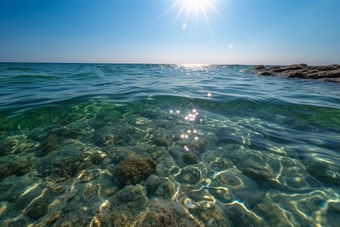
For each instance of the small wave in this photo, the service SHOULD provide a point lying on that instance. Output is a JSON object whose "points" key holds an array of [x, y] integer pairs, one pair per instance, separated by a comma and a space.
{"points": [[36, 77]]}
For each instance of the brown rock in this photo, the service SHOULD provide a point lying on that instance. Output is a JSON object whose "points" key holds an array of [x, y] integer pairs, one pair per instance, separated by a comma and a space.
{"points": [[322, 73], [259, 67], [48, 144], [135, 169], [190, 158]]}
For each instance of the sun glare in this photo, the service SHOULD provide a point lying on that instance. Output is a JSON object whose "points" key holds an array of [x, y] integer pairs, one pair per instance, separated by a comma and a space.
{"points": [[195, 3], [193, 8]]}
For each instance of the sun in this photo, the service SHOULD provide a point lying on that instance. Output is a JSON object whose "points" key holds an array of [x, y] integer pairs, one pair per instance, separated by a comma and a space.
{"points": [[195, 8], [195, 3]]}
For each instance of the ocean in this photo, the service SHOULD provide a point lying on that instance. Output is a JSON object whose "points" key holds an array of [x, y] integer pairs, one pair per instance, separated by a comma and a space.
{"points": [[166, 145]]}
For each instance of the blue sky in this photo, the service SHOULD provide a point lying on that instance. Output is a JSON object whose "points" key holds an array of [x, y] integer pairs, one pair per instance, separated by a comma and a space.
{"points": [[161, 31]]}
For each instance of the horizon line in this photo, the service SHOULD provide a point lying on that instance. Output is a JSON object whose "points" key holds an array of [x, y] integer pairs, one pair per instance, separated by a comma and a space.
{"points": [[143, 63]]}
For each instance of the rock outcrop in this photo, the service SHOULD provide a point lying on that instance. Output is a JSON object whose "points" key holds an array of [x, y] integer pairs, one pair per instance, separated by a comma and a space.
{"points": [[323, 73], [135, 169]]}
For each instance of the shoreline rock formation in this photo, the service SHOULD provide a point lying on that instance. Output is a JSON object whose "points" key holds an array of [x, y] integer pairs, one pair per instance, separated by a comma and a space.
{"points": [[302, 71]]}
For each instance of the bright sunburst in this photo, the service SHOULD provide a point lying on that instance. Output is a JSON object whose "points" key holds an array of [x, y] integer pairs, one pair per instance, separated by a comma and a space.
{"points": [[193, 7]]}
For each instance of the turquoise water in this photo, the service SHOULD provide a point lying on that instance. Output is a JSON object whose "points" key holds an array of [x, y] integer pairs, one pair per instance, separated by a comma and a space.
{"points": [[229, 148]]}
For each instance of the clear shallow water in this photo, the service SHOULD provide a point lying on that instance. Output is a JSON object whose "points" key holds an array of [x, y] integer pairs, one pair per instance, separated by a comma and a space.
{"points": [[260, 151]]}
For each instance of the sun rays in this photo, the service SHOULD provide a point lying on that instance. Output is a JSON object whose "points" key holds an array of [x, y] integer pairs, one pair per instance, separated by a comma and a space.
{"points": [[193, 8]]}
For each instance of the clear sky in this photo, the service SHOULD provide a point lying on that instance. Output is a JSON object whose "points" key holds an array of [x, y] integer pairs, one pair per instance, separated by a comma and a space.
{"points": [[166, 31]]}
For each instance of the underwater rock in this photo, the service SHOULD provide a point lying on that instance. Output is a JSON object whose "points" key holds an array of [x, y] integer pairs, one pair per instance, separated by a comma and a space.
{"points": [[88, 192], [237, 181], [149, 114], [135, 169], [18, 222], [104, 139], [118, 154], [97, 157], [190, 158], [227, 135], [128, 203], [16, 145], [111, 116], [221, 164], [38, 207], [13, 187], [198, 146], [241, 217], [222, 194], [48, 145], [97, 123], [49, 218], [244, 188], [87, 175], [12, 165], [165, 124], [159, 186], [189, 175], [25, 199], [272, 213], [7, 145], [161, 142], [157, 153], [176, 153], [166, 188], [169, 214], [73, 130], [176, 137], [40, 134], [118, 135], [151, 183], [209, 213], [323, 171], [67, 163], [258, 171]]}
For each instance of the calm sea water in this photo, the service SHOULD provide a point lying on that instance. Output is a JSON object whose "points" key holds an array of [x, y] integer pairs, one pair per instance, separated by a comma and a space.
{"points": [[231, 148]]}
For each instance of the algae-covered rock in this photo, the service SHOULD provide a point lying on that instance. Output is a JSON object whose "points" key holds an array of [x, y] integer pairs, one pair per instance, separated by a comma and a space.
{"points": [[165, 189], [16, 145], [73, 130], [163, 213], [190, 158], [131, 193], [135, 169], [118, 135], [161, 142], [49, 144], [176, 153], [189, 176], [149, 114], [128, 203], [152, 183], [38, 207], [67, 163], [11, 165]]}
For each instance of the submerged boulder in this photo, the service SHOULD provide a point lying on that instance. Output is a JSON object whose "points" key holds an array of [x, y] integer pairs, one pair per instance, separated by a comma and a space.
{"points": [[135, 169], [190, 158]]}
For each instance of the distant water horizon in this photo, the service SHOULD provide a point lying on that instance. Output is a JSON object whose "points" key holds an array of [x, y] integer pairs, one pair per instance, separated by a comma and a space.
{"points": [[167, 63], [219, 146]]}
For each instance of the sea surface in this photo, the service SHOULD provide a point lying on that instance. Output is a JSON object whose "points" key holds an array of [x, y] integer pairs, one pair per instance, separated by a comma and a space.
{"points": [[166, 145]]}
